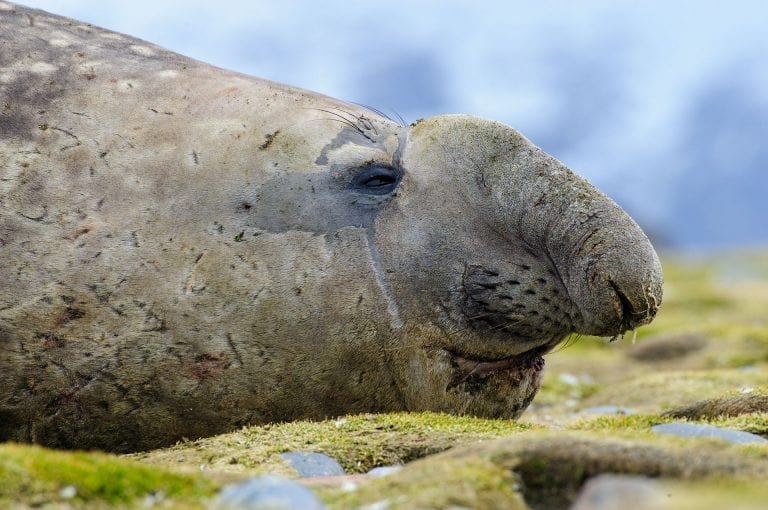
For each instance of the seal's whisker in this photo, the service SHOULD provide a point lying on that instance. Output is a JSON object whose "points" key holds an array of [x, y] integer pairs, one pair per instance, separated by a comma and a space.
{"points": [[399, 117], [325, 119], [507, 324], [355, 119], [343, 119], [331, 120], [569, 341], [335, 112]]}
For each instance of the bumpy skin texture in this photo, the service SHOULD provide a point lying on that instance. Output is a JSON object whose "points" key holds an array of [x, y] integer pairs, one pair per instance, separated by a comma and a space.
{"points": [[185, 250]]}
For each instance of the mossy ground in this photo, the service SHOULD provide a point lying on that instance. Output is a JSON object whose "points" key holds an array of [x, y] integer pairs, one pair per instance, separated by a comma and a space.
{"points": [[37, 477], [360, 442], [706, 355]]}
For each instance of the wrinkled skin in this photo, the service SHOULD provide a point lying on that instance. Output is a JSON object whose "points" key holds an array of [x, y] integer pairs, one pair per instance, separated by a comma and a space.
{"points": [[186, 250]]}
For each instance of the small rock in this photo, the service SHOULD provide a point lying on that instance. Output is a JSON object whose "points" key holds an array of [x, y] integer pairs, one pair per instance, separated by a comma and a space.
{"points": [[384, 504], [684, 429], [348, 486], [68, 492], [608, 409], [267, 493], [619, 492], [154, 498], [384, 470], [309, 464], [569, 379]]}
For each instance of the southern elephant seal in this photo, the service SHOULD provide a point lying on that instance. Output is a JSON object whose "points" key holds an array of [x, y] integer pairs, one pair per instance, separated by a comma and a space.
{"points": [[186, 250]]}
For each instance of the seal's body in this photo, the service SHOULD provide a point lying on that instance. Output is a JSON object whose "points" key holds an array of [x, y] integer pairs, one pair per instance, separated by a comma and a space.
{"points": [[185, 250]]}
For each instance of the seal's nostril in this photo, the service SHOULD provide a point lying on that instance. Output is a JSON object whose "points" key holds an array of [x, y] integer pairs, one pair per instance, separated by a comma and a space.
{"points": [[630, 317]]}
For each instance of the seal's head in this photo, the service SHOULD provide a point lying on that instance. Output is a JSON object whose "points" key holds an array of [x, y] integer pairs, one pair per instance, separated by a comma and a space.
{"points": [[494, 252], [487, 252]]}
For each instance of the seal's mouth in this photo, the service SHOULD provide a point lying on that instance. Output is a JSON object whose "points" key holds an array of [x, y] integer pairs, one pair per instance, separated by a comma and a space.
{"points": [[519, 366]]}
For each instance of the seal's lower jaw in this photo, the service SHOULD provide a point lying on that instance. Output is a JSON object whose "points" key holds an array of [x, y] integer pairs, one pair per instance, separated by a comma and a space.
{"points": [[472, 372], [501, 388]]}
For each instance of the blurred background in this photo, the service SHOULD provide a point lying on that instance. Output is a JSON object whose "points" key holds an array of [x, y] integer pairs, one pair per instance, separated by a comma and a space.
{"points": [[662, 105]]}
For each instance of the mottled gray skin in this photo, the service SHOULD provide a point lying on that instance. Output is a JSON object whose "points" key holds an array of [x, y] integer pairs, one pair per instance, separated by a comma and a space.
{"points": [[185, 250]]}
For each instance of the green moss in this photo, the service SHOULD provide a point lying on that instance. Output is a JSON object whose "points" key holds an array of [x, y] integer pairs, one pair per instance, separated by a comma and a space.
{"points": [[627, 425], [756, 423], [34, 476], [359, 442]]}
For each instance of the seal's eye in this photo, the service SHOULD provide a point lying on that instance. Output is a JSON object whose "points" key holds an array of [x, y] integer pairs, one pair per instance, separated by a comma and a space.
{"points": [[376, 180]]}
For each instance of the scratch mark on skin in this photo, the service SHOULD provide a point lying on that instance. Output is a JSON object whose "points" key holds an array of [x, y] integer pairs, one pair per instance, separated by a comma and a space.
{"points": [[232, 346], [386, 291], [38, 217], [125, 140], [153, 110], [189, 284], [69, 133]]}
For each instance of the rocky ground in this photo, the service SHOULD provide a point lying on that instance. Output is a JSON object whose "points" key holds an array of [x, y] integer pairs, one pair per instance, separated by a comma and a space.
{"points": [[674, 417]]}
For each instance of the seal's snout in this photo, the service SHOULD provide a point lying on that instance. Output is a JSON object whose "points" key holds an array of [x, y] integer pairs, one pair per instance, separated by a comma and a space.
{"points": [[615, 279]]}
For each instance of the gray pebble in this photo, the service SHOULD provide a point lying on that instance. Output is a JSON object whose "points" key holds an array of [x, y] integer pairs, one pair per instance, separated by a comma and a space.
{"points": [[309, 464], [684, 429], [619, 492], [384, 470], [267, 493]]}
